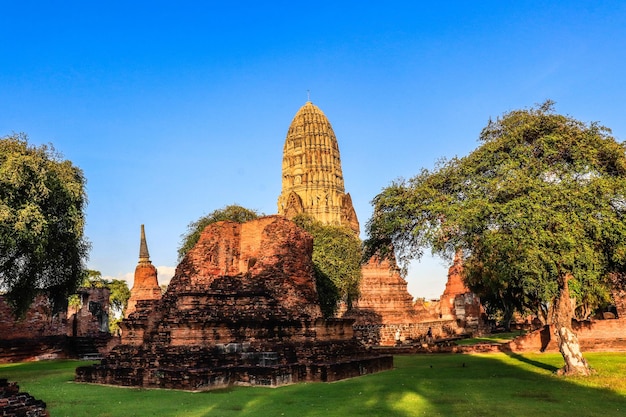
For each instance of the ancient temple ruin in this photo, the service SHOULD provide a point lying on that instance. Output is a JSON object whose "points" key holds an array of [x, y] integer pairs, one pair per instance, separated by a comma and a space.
{"points": [[312, 180], [312, 183], [146, 284], [242, 308], [457, 301]]}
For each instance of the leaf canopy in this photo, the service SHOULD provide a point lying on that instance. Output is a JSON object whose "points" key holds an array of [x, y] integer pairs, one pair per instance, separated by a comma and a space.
{"points": [[543, 196], [42, 242], [337, 257], [232, 212]]}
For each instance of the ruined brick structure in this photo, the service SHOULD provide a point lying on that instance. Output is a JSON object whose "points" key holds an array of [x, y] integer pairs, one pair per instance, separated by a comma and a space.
{"points": [[242, 308], [384, 292], [14, 403], [593, 335], [312, 180], [384, 313], [312, 183], [41, 334], [91, 318], [457, 302], [38, 321], [146, 284]]}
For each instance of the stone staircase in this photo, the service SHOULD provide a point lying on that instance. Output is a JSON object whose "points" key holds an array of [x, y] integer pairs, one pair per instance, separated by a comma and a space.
{"points": [[87, 348]]}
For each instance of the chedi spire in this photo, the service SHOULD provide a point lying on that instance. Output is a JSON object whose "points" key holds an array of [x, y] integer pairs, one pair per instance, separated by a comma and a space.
{"points": [[146, 284], [144, 255], [312, 180]]}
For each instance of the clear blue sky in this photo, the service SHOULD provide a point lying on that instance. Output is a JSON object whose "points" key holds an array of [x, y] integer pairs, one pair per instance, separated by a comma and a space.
{"points": [[174, 109]]}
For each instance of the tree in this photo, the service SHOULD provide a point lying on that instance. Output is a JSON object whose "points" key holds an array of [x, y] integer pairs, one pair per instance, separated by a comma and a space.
{"points": [[336, 260], [42, 242], [120, 294], [538, 208], [194, 229]]}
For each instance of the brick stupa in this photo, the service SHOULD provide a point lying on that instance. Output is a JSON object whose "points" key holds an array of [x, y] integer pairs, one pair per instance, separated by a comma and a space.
{"points": [[146, 284], [242, 308]]}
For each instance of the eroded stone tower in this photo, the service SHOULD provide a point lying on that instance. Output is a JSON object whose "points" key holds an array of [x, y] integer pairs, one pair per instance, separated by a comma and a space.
{"points": [[312, 178]]}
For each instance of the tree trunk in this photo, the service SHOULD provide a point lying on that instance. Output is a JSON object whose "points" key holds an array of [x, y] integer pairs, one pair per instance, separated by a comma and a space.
{"points": [[507, 318], [575, 363]]}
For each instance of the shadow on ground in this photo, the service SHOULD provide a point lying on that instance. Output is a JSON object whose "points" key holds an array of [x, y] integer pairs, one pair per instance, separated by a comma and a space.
{"points": [[433, 385]]}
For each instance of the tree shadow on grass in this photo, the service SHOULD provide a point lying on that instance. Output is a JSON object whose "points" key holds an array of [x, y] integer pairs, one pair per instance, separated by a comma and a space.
{"points": [[487, 385], [445, 385], [538, 364]]}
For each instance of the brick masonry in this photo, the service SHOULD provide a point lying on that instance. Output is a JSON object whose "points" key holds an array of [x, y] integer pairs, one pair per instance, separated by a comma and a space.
{"points": [[14, 403], [241, 309], [593, 335]]}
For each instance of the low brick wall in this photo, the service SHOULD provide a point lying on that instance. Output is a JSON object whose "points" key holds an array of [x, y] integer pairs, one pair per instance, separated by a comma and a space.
{"points": [[390, 334], [594, 335], [33, 349]]}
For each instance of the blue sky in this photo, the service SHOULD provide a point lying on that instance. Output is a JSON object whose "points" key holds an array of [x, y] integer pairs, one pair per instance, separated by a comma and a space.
{"points": [[175, 109]]}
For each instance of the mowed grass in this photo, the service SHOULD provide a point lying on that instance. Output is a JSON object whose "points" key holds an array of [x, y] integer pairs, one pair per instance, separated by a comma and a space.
{"points": [[420, 385]]}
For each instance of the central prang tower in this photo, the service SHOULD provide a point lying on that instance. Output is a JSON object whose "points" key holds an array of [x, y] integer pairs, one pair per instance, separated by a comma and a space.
{"points": [[312, 178]]}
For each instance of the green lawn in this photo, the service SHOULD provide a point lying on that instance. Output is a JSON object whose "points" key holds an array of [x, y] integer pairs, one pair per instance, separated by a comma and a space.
{"points": [[420, 385]]}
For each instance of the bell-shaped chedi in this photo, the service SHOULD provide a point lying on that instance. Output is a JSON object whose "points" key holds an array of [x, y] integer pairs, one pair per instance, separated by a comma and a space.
{"points": [[146, 285], [241, 308], [312, 180]]}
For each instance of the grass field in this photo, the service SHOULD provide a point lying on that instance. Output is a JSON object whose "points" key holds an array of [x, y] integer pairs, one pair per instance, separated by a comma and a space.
{"points": [[420, 385]]}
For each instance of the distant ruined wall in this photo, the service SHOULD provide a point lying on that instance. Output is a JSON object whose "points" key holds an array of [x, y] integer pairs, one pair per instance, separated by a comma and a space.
{"points": [[390, 334], [92, 317], [458, 302], [594, 335], [37, 322]]}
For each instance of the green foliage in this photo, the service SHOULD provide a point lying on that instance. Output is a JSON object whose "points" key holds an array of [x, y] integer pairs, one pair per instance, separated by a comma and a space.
{"points": [[194, 229], [337, 261], [119, 295], [540, 199], [42, 203]]}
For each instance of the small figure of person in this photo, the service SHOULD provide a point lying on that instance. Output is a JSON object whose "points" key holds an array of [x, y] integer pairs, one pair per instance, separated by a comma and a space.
{"points": [[398, 336]]}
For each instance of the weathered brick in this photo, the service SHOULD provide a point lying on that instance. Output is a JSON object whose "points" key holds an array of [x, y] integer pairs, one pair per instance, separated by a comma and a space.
{"points": [[241, 308]]}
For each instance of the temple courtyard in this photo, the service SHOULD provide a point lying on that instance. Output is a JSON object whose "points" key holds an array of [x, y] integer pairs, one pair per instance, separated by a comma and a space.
{"points": [[496, 384]]}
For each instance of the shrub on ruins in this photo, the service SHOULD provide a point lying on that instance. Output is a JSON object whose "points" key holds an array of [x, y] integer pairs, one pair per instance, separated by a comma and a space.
{"points": [[336, 260], [538, 210], [232, 212], [42, 242]]}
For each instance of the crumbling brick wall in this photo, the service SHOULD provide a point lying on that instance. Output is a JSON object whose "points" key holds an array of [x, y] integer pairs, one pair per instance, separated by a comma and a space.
{"points": [[37, 322]]}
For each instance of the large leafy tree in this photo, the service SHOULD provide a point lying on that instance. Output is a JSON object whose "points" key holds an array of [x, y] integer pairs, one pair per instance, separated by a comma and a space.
{"points": [[538, 208], [337, 257], [232, 212], [42, 202]]}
